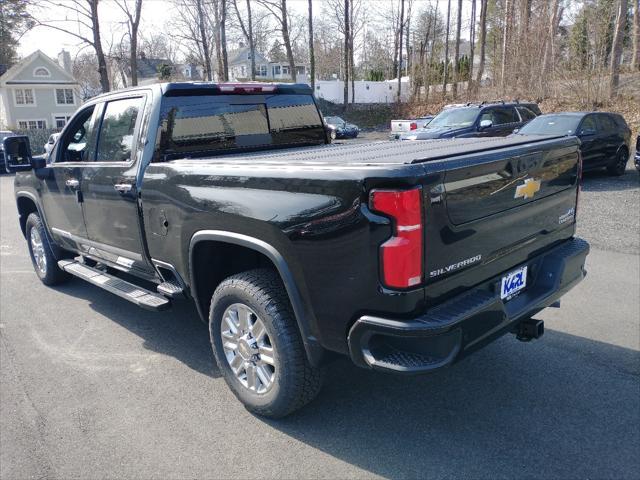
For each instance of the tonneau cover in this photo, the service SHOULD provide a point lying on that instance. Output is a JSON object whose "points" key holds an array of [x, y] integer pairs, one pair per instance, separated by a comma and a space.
{"points": [[386, 152]]}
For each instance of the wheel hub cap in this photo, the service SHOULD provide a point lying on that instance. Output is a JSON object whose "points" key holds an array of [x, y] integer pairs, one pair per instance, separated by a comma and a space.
{"points": [[247, 348], [37, 250]]}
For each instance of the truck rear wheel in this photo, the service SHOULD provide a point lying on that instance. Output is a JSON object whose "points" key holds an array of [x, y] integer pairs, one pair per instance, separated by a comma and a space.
{"points": [[258, 347], [44, 263]]}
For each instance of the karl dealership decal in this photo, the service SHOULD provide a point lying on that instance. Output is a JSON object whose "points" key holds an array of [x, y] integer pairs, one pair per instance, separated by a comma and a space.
{"points": [[565, 217], [455, 266]]}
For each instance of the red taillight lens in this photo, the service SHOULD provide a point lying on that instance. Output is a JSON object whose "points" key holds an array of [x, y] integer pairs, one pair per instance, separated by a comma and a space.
{"points": [[413, 126], [401, 255]]}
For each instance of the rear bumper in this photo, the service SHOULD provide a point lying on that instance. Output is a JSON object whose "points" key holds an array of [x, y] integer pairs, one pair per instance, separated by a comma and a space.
{"points": [[452, 330]]}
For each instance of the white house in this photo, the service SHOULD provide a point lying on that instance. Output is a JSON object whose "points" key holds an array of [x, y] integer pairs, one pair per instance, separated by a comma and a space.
{"points": [[38, 93], [240, 68]]}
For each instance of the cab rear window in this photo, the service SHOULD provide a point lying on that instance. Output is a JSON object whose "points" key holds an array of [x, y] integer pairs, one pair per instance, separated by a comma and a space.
{"points": [[192, 126]]}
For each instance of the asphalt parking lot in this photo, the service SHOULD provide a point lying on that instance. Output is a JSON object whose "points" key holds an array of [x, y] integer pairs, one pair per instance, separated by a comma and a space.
{"points": [[93, 387]]}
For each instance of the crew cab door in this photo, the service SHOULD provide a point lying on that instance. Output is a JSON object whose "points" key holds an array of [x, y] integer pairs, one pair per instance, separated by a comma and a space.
{"points": [[61, 182], [109, 189]]}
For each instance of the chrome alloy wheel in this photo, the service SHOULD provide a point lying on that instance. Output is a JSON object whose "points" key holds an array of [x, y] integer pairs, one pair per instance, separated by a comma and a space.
{"points": [[248, 348], [37, 250]]}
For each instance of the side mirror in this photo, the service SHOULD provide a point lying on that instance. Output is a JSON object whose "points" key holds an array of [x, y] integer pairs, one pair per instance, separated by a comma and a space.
{"points": [[485, 124], [17, 153]]}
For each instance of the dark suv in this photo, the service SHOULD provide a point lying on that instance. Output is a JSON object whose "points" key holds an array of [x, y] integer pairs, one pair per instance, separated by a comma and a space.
{"points": [[605, 136], [474, 120]]}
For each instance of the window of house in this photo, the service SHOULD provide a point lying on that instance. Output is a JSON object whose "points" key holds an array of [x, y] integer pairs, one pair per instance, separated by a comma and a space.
{"points": [[24, 96], [32, 124], [285, 70], [41, 72], [276, 70], [115, 139], [263, 71], [61, 120], [64, 96]]}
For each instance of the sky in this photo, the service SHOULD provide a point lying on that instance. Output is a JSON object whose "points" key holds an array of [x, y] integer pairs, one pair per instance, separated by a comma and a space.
{"points": [[155, 15]]}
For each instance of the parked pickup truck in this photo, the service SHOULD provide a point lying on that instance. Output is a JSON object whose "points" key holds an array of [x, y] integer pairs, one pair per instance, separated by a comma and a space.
{"points": [[406, 257], [399, 127]]}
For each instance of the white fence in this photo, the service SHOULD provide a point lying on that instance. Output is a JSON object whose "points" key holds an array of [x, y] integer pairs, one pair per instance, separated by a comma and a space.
{"points": [[365, 92]]}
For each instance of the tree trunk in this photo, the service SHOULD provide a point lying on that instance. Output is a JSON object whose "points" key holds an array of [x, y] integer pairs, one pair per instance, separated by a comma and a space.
{"points": [[472, 46], [252, 48], [312, 58], [135, 24], [635, 61], [223, 40], [401, 29], [287, 41], [456, 61], [505, 44], [446, 52], [351, 62], [203, 40], [482, 39], [97, 43], [346, 55], [616, 50]]}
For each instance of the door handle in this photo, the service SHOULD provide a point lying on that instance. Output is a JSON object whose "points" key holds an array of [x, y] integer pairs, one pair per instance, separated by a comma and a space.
{"points": [[123, 187], [72, 183]]}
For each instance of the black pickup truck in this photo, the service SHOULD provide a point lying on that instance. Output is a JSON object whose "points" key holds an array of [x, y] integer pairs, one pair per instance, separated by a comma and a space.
{"points": [[405, 256]]}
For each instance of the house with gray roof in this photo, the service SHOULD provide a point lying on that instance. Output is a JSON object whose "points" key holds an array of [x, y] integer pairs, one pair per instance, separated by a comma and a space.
{"points": [[38, 93], [240, 67]]}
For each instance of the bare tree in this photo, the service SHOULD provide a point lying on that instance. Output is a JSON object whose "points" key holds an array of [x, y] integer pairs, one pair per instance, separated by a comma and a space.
{"points": [[312, 56], [456, 60], [616, 49], [278, 8], [401, 29], [635, 60], [482, 39], [223, 40], [247, 31], [446, 52], [472, 45], [83, 15], [347, 24], [133, 24]]}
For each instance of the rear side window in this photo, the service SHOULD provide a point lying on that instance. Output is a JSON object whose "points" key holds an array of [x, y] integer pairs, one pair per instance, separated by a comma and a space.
{"points": [[526, 114], [115, 139], [589, 125], [606, 123], [206, 124], [500, 115]]}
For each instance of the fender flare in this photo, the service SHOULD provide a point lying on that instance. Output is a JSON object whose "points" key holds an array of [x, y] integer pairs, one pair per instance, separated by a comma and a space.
{"points": [[303, 318], [56, 250]]}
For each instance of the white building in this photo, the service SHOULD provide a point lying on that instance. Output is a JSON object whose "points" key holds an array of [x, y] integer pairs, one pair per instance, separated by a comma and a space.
{"points": [[365, 91], [38, 93]]}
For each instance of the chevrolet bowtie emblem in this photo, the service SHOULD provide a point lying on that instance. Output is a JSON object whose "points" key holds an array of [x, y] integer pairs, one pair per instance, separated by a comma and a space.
{"points": [[528, 190]]}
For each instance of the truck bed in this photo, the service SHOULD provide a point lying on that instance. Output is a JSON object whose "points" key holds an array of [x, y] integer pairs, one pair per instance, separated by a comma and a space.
{"points": [[380, 153]]}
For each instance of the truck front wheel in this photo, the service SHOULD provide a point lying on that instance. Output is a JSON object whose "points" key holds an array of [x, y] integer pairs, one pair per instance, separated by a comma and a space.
{"points": [[258, 347], [44, 263]]}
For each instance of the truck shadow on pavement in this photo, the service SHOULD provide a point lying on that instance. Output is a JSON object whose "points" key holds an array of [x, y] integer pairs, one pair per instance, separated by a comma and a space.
{"points": [[561, 407], [177, 332]]}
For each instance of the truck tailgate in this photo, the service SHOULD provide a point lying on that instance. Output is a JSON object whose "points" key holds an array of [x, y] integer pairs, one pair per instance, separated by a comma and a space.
{"points": [[493, 210]]}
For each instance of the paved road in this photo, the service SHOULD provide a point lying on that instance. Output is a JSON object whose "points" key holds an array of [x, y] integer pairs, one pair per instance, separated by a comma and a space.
{"points": [[92, 387]]}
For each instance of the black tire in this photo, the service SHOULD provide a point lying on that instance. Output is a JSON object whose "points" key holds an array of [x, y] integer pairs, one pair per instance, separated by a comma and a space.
{"points": [[48, 271], [619, 164], [295, 382]]}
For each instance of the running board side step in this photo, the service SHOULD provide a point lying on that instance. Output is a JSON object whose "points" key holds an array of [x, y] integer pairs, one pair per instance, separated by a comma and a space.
{"points": [[129, 291]]}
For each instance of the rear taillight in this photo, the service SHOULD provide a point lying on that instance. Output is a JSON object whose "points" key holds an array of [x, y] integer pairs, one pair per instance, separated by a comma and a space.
{"points": [[402, 255], [413, 126]]}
